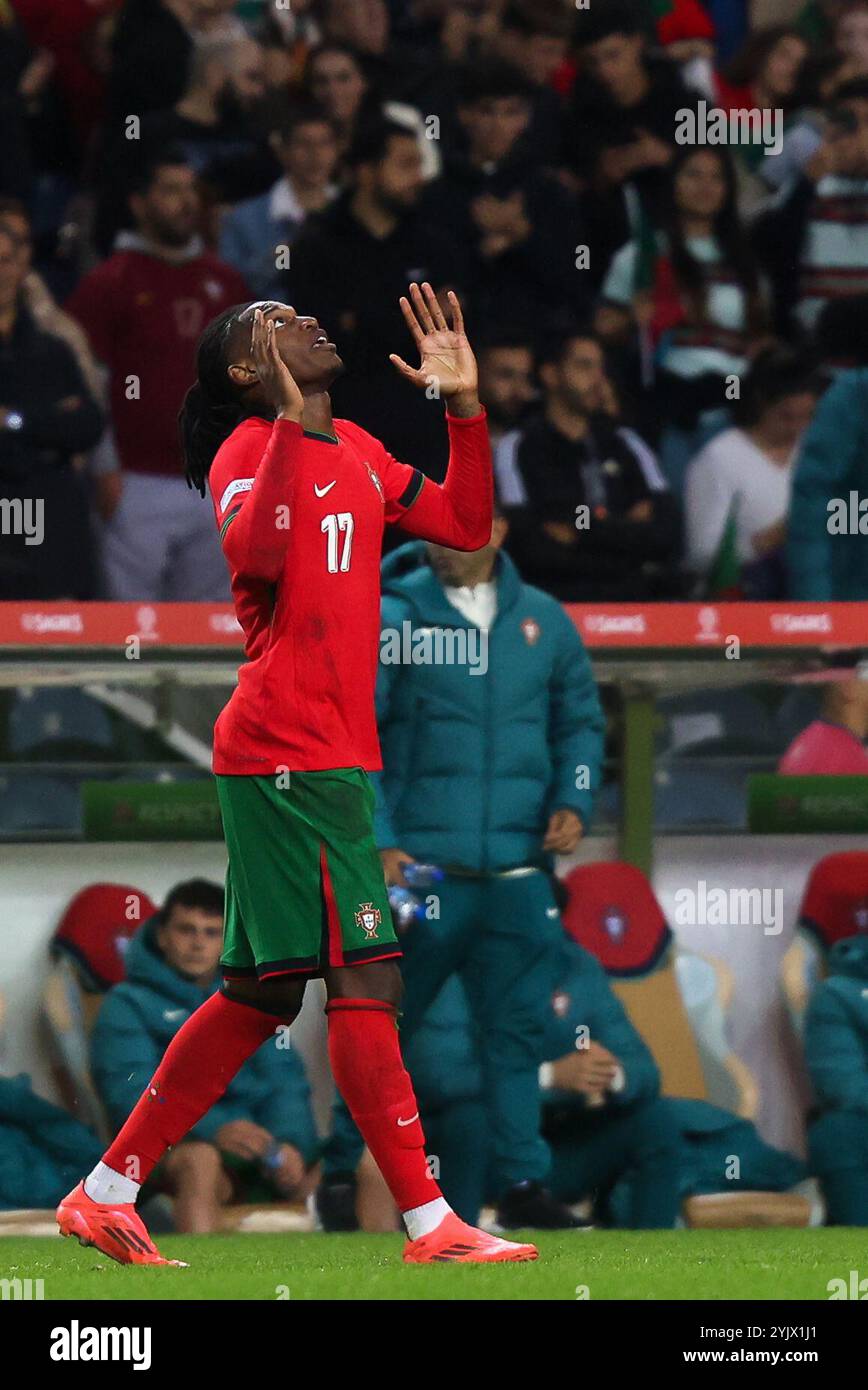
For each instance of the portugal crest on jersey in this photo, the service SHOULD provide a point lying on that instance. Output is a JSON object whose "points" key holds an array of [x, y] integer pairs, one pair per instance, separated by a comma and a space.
{"points": [[368, 918], [376, 481]]}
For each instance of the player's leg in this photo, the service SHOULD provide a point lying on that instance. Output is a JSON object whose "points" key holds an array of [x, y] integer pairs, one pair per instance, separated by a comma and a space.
{"points": [[371, 1076], [211, 1047], [359, 959], [433, 950], [457, 1136], [198, 1065]]}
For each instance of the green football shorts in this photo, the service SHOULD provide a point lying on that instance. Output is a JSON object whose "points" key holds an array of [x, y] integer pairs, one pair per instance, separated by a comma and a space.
{"points": [[304, 886]]}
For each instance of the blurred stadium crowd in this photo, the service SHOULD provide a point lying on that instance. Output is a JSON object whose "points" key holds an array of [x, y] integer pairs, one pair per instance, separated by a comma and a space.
{"points": [[671, 330]]}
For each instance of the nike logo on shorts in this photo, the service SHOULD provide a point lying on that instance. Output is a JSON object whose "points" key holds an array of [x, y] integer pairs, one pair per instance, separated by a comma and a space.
{"points": [[321, 491], [404, 1123]]}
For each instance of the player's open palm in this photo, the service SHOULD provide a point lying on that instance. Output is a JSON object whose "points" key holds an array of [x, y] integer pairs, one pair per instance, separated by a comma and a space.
{"points": [[277, 380], [448, 363]]}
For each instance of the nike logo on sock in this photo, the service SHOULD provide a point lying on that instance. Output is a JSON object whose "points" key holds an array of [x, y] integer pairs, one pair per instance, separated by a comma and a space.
{"points": [[403, 1123], [321, 491]]}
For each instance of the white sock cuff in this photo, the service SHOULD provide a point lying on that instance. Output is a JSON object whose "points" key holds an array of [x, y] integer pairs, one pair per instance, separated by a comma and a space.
{"points": [[105, 1185], [421, 1221]]}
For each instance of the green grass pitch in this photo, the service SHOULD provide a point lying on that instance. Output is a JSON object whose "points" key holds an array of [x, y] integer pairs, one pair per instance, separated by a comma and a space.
{"points": [[686, 1265]]}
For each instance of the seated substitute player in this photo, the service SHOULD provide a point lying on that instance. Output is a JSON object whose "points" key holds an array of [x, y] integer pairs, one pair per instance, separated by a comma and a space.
{"points": [[300, 501]]}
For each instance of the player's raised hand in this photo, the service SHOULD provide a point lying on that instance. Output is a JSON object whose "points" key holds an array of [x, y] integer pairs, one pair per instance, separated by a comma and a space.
{"points": [[447, 360], [276, 378]]}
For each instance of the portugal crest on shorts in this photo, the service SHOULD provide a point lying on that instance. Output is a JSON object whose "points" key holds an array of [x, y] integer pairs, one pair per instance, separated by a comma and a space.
{"points": [[369, 918]]}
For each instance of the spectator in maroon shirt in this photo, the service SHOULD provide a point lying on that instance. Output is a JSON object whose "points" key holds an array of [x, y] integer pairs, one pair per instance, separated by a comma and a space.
{"points": [[143, 310]]}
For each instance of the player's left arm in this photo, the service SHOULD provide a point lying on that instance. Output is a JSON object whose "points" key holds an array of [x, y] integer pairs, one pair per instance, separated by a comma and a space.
{"points": [[458, 512]]}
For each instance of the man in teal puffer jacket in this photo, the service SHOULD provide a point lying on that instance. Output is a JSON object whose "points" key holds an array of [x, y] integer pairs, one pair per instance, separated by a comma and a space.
{"points": [[490, 769], [828, 564], [836, 1051], [258, 1139]]}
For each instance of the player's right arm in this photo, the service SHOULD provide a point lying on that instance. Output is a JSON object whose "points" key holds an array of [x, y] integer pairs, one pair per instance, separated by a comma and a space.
{"points": [[252, 489]]}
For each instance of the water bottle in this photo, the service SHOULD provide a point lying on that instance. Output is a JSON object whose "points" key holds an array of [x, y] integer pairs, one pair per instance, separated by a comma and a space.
{"points": [[406, 908], [422, 875]]}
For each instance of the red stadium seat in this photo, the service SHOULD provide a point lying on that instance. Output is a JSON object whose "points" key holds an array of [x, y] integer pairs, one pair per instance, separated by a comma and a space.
{"points": [[89, 947], [95, 928], [613, 912], [835, 904]]}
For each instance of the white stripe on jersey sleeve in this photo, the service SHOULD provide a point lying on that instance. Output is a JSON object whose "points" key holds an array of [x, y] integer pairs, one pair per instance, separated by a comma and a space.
{"points": [[237, 485]]}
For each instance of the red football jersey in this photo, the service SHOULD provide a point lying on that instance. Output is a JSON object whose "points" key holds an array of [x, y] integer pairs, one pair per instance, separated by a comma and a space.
{"points": [[301, 519]]}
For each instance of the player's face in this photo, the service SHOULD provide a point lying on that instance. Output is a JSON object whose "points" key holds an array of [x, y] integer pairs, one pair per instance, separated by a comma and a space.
{"points": [[191, 941], [305, 347]]}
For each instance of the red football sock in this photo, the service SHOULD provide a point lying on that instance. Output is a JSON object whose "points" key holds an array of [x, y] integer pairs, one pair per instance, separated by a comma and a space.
{"points": [[197, 1066], [371, 1077]]}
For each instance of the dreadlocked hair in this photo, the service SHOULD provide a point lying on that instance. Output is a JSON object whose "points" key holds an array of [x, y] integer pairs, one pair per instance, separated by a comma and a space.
{"points": [[212, 407]]}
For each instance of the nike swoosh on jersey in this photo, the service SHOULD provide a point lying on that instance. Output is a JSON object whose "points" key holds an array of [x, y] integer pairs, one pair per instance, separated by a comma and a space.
{"points": [[321, 491], [402, 1123]]}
